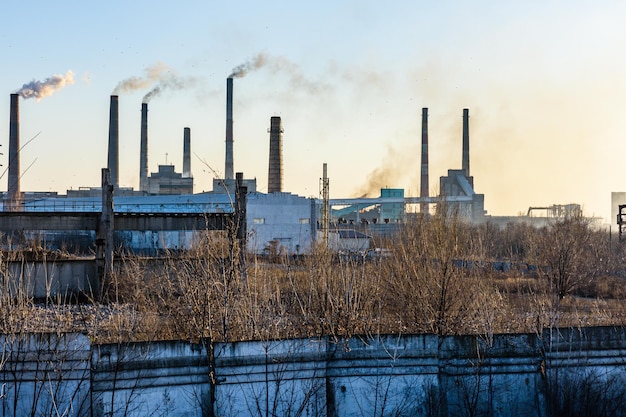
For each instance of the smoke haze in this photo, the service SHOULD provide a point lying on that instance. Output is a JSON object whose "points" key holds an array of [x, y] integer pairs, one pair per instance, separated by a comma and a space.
{"points": [[47, 87]]}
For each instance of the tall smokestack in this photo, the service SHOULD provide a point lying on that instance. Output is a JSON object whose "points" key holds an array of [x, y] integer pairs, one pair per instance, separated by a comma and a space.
{"points": [[187, 153], [228, 171], [275, 172], [13, 187], [466, 157], [114, 145], [143, 155], [424, 173]]}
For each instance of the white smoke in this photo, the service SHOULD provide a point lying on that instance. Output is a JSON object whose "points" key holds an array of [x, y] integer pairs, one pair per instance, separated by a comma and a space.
{"points": [[153, 74], [47, 87], [158, 77]]}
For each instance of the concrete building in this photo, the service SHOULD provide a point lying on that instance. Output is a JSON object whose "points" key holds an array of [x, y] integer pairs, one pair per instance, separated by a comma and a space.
{"points": [[280, 221], [458, 184], [169, 182]]}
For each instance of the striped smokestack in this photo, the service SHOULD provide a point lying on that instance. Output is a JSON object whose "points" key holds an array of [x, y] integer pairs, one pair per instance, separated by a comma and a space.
{"points": [[228, 171], [143, 154], [424, 192], [114, 156], [275, 172], [466, 157], [13, 187], [187, 153]]}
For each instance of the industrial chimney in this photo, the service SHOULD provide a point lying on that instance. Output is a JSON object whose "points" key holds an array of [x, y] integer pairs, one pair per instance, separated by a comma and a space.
{"points": [[187, 153], [424, 173], [228, 171], [466, 158], [13, 187], [275, 172], [114, 157], [143, 153]]}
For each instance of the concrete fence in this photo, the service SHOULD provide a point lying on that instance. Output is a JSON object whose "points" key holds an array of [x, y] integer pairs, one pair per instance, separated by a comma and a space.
{"points": [[503, 375]]}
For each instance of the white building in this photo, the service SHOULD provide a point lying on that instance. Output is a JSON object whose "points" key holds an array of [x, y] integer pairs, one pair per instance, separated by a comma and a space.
{"points": [[283, 221]]}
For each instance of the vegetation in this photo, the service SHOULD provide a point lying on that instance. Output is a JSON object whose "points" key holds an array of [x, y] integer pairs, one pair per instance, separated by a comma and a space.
{"points": [[440, 275]]}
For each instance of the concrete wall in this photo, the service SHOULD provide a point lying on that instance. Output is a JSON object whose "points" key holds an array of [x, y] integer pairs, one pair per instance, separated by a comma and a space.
{"points": [[503, 375], [45, 374], [66, 278]]}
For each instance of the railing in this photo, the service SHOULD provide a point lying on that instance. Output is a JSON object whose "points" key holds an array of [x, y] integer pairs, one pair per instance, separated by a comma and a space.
{"points": [[53, 205]]}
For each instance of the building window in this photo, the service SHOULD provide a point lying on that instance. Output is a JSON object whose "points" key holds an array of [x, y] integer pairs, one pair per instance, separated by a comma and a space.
{"points": [[258, 220], [305, 221]]}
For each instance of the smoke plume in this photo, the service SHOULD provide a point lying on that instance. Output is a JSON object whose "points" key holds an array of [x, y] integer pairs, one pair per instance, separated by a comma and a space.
{"points": [[170, 82], [279, 64], [47, 87], [159, 78], [393, 169], [153, 74], [255, 63]]}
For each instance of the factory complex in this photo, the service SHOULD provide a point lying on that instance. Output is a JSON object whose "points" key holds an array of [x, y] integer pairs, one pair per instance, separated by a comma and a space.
{"points": [[276, 222]]}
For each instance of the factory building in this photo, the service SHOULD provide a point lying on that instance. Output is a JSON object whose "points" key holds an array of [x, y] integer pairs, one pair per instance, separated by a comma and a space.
{"points": [[280, 222], [169, 182], [458, 185]]}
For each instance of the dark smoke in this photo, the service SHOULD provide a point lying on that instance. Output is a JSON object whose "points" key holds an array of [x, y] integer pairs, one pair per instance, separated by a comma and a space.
{"points": [[255, 63], [397, 164], [170, 82], [41, 89], [276, 64]]}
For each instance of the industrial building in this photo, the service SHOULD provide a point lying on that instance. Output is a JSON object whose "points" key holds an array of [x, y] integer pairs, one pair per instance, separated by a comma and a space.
{"points": [[276, 221]]}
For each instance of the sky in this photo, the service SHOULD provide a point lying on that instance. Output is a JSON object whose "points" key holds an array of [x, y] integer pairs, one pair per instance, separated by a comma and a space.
{"points": [[544, 82]]}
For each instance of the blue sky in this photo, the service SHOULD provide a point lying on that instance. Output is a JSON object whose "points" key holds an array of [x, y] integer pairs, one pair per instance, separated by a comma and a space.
{"points": [[544, 82]]}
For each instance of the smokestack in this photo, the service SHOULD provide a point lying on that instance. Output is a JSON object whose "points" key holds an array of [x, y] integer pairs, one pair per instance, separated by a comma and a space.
{"points": [[228, 171], [143, 155], [114, 133], [187, 153], [466, 159], [13, 187], [424, 174], [275, 174]]}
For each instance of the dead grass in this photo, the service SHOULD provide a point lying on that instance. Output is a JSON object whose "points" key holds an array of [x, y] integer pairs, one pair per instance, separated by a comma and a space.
{"points": [[205, 293]]}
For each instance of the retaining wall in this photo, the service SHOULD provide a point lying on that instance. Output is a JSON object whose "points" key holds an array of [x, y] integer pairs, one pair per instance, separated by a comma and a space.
{"points": [[503, 375]]}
